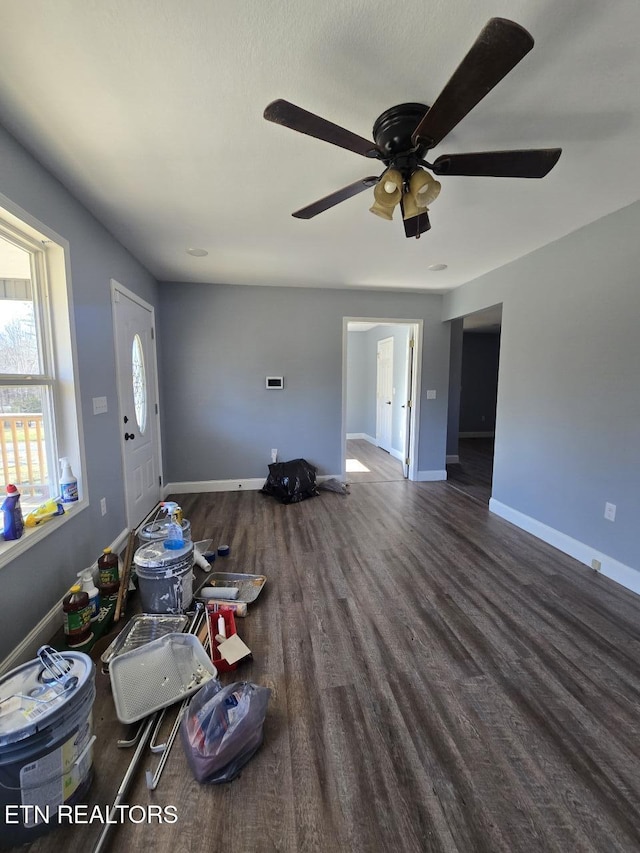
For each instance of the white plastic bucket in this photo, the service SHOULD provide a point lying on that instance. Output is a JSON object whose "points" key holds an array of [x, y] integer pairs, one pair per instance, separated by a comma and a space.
{"points": [[165, 577], [46, 742]]}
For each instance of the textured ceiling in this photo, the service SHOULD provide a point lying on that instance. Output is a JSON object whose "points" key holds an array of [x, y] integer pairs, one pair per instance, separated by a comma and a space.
{"points": [[151, 113]]}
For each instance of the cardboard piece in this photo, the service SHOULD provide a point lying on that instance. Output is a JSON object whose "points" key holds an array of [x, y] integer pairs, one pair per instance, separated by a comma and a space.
{"points": [[233, 649]]}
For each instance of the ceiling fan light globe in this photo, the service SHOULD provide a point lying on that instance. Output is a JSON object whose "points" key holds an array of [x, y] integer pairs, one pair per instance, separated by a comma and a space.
{"points": [[429, 194], [424, 188], [388, 190], [384, 211], [410, 207]]}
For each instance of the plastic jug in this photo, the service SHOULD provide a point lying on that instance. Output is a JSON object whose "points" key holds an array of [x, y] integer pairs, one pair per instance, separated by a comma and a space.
{"points": [[13, 526]]}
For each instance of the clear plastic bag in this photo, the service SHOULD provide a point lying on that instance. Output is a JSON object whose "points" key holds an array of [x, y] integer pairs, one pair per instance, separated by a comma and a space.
{"points": [[223, 728], [292, 481], [334, 485]]}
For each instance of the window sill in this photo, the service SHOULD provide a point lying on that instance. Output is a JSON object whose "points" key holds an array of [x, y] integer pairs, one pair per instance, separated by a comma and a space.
{"points": [[15, 547]]}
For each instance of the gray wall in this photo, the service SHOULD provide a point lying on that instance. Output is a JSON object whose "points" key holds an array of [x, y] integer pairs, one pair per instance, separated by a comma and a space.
{"points": [[568, 414], [220, 341], [361, 406], [479, 381], [31, 584]]}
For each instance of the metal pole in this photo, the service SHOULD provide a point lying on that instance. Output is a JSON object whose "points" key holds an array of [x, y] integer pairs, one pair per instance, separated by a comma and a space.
{"points": [[149, 725], [128, 776]]}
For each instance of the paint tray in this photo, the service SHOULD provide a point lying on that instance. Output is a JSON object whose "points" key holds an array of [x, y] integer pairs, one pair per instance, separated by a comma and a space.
{"points": [[139, 631], [158, 674]]}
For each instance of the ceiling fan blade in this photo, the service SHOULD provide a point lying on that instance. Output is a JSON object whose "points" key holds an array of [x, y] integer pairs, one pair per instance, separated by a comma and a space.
{"points": [[416, 225], [289, 115], [335, 198], [532, 163], [497, 50]]}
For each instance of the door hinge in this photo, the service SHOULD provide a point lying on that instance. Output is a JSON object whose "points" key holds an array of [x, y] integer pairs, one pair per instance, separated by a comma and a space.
{"points": [[159, 480], [406, 461], [153, 334], [409, 403], [411, 343], [156, 408]]}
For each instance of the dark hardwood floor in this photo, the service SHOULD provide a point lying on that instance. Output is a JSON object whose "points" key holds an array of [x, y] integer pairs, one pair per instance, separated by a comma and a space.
{"points": [[441, 681], [473, 473], [380, 466]]}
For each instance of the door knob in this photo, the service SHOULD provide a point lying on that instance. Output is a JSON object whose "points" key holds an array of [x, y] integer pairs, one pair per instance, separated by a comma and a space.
{"points": [[126, 419], [388, 402], [128, 435]]}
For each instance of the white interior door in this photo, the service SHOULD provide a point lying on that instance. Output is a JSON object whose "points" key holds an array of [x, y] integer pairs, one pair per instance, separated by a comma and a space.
{"points": [[138, 402], [384, 394]]}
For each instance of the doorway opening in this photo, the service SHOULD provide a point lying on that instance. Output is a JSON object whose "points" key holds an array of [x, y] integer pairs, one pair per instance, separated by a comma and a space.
{"points": [[381, 390], [473, 391]]}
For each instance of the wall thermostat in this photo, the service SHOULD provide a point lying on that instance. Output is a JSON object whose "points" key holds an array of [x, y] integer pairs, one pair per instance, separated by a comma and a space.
{"points": [[275, 383]]}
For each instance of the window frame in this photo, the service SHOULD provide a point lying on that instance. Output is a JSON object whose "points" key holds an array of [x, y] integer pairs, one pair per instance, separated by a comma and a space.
{"points": [[46, 378], [54, 317]]}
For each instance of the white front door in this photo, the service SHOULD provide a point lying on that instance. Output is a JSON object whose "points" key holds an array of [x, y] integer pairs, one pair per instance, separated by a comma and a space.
{"points": [[136, 364], [384, 394]]}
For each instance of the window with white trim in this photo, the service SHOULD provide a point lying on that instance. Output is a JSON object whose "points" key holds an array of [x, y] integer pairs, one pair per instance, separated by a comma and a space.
{"points": [[38, 400]]}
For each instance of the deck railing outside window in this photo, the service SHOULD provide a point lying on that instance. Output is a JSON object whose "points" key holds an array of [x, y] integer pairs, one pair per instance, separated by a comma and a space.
{"points": [[22, 455]]}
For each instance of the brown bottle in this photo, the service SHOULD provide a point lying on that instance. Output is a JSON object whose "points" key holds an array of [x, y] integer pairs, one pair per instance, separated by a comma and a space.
{"points": [[109, 577], [77, 617]]}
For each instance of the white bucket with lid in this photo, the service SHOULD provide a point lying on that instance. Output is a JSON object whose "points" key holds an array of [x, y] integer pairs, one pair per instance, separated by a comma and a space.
{"points": [[165, 576], [46, 741]]}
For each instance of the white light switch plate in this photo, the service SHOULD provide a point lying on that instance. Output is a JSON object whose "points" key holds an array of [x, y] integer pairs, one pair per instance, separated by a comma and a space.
{"points": [[431, 395], [99, 405]]}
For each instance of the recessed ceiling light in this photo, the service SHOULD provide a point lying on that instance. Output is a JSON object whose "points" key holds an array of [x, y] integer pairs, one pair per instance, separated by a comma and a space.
{"points": [[197, 253], [437, 267]]}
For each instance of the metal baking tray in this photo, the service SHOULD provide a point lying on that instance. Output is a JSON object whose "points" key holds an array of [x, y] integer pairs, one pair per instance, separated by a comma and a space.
{"points": [[155, 676], [139, 631], [249, 586]]}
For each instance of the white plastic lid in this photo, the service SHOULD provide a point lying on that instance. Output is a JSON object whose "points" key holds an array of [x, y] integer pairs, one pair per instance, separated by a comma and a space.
{"points": [[30, 699], [155, 554]]}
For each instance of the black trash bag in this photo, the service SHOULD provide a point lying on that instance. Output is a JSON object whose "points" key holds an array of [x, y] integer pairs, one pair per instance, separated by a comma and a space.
{"points": [[292, 481]]}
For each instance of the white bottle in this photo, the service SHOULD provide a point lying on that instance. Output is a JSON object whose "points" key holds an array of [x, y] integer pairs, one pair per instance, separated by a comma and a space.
{"points": [[68, 483], [86, 576]]}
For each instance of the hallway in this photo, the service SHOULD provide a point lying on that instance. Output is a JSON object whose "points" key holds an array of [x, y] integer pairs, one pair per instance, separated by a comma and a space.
{"points": [[367, 463], [473, 473]]}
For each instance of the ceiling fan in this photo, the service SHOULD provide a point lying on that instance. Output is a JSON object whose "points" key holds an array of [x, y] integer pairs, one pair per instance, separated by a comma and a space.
{"points": [[404, 134]]}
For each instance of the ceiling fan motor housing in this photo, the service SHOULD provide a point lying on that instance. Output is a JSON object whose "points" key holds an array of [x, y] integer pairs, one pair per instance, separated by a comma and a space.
{"points": [[392, 133]]}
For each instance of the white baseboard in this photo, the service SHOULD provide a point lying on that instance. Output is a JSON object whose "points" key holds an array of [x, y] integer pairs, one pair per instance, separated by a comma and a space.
{"points": [[489, 434], [247, 485], [195, 486], [362, 435], [453, 459], [47, 626], [617, 571], [430, 476], [397, 454]]}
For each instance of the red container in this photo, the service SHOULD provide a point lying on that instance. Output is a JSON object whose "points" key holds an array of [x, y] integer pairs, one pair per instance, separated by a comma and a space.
{"points": [[230, 629]]}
